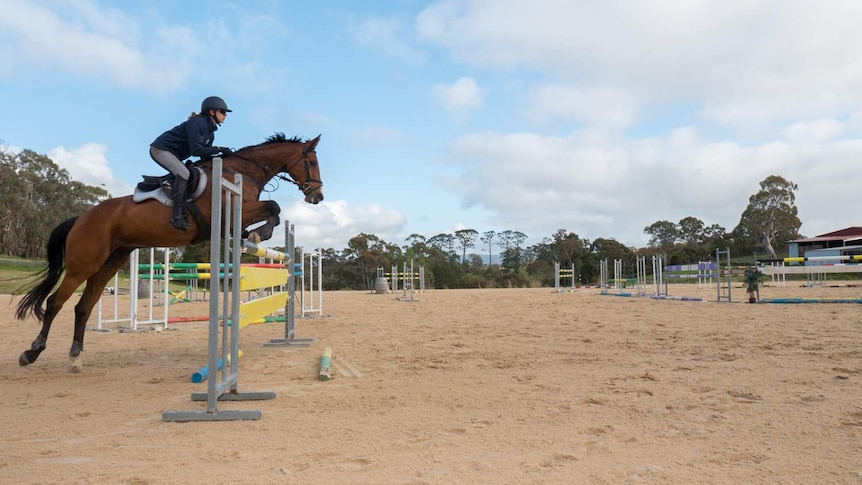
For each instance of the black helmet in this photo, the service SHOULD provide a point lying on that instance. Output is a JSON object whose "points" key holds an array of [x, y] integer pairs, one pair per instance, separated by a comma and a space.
{"points": [[213, 102]]}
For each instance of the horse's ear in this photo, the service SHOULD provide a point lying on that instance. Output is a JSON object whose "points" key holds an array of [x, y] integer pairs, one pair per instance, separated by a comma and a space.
{"points": [[313, 143]]}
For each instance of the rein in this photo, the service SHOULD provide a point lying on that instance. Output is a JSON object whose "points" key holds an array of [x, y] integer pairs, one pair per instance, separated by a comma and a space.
{"points": [[304, 187]]}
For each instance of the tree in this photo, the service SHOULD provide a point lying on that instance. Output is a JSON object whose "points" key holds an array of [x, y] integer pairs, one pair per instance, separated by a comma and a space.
{"points": [[416, 246], [663, 234], [467, 239], [37, 195], [691, 230], [443, 241], [771, 217], [488, 239], [715, 234], [509, 238], [510, 241], [371, 252], [568, 248], [611, 249]]}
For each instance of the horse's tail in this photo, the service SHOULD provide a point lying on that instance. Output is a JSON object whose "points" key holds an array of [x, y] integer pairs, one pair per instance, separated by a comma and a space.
{"points": [[39, 290]]}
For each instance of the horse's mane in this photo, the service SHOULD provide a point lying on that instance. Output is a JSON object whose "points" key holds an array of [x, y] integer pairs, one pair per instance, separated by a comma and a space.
{"points": [[278, 137]]}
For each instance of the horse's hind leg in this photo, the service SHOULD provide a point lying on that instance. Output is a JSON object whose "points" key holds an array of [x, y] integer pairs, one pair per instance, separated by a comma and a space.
{"points": [[92, 293], [52, 307]]}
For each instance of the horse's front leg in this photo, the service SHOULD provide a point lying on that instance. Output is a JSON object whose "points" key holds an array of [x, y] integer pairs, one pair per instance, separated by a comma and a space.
{"points": [[266, 211]]}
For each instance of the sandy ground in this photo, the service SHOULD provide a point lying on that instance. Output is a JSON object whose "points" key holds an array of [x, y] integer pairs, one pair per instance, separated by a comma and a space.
{"points": [[466, 386]]}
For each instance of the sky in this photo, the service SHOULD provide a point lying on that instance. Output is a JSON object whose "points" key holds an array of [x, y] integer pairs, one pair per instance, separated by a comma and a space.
{"points": [[599, 118]]}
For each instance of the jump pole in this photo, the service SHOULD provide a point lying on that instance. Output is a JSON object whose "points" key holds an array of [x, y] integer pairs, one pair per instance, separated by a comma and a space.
{"points": [[326, 365], [223, 385], [290, 339]]}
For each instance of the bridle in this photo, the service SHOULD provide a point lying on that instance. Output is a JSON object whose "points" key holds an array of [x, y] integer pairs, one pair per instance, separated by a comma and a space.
{"points": [[305, 187]]}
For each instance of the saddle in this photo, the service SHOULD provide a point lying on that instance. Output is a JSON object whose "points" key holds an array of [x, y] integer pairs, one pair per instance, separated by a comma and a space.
{"points": [[160, 187]]}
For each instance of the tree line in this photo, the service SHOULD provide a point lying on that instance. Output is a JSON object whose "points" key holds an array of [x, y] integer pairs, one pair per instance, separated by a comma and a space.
{"points": [[37, 195]]}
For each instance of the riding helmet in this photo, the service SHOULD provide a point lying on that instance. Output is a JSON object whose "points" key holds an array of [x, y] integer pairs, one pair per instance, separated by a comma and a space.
{"points": [[214, 102]]}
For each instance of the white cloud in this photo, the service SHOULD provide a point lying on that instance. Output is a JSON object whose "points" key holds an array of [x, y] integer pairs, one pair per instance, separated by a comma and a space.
{"points": [[601, 186], [823, 129], [596, 107], [88, 164], [100, 43], [460, 97], [739, 62], [331, 224]]}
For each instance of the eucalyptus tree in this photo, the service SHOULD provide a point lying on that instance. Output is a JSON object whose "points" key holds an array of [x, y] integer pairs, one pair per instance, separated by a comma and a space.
{"points": [[466, 239], [771, 218], [488, 239]]}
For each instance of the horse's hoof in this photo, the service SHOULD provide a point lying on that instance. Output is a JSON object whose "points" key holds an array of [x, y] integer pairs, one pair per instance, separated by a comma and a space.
{"points": [[265, 233], [254, 237], [75, 366], [24, 360]]}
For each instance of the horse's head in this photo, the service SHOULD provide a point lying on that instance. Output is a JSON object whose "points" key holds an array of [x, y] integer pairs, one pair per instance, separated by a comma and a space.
{"points": [[307, 175], [279, 155]]}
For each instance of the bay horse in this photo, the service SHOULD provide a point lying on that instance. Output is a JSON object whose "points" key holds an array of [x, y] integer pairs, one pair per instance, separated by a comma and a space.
{"points": [[95, 245]]}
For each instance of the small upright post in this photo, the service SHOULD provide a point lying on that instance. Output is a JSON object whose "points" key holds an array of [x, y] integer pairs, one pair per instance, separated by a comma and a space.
{"points": [[603, 276], [723, 290], [658, 275]]}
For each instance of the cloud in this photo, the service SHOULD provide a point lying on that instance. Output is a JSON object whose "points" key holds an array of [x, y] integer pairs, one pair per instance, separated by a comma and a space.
{"points": [[331, 224], [87, 40], [595, 107], [748, 63], [88, 164], [604, 186], [823, 129], [460, 97]]}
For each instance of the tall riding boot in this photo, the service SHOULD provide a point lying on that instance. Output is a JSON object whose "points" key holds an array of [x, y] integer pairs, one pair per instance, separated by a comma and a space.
{"points": [[178, 195]]}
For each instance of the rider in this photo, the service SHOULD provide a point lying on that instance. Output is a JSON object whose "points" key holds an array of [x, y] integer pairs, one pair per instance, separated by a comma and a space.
{"points": [[193, 137]]}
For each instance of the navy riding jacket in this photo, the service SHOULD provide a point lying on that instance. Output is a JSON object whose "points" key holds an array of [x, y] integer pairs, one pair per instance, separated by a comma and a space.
{"points": [[192, 137]]}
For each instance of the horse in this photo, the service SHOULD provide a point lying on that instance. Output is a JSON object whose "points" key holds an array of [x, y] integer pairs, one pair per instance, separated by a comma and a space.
{"points": [[95, 245]]}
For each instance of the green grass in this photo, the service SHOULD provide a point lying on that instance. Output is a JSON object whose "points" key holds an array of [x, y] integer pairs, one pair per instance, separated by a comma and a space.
{"points": [[17, 272]]}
